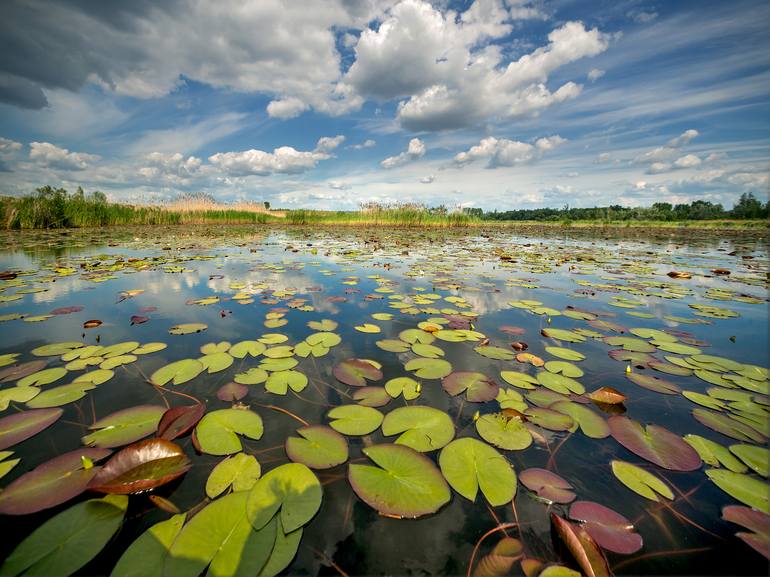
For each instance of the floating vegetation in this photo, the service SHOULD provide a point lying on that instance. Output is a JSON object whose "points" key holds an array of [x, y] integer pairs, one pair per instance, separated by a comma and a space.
{"points": [[292, 401]]}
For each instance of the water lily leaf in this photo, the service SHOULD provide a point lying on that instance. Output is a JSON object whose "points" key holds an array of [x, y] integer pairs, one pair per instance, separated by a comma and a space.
{"points": [[113, 362], [284, 550], [96, 377], [118, 349], [505, 432], [241, 471], [279, 352], [17, 395], [468, 464], [216, 362], [427, 351], [188, 328], [56, 349], [592, 424], [413, 336], [293, 488], [564, 335], [355, 419], [478, 387], [217, 432], [253, 376], [21, 426], [405, 386], [501, 559], [654, 443], [429, 368], [547, 485], [533, 360], [221, 538], [318, 447], [560, 383], [421, 428], [178, 421], [669, 369], [232, 392], [566, 354], [367, 328], [149, 551], [653, 334], [745, 488], [727, 426], [518, 379], [404, 484], [582, 546], [757, 458], [758, 523], [630, 344], [641, 481], [715, 454], [549, 419], [496, 353], [323, 325], [69, 540], [704, 400], [44, 377], [61, 395], [607, 396], [50, 484], [654, 384], [610, 529], [148, 348], [677, 348], [325, 339], [273, 339], [510, 399], [125, 426], [140, 467], [20, 371], [243, 348], [556, 571], [372, 396], [177, 372], [280, 382], [393, 345], [564, 368], [355, 372]]}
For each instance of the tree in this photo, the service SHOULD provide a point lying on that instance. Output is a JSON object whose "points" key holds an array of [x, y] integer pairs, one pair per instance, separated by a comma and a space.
{"points": [[267, 205], [748, 207]]}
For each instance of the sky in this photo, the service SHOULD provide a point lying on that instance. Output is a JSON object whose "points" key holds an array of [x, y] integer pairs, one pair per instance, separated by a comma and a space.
{"points": [[498, 104]]}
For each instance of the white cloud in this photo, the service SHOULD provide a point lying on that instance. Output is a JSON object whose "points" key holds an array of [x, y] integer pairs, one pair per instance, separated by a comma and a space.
{"points": [[286, 108], [504, 152], [284, 160], [661, 157], [427, 179], [685, 138], [368, 143], [687, 161], [595, 74], [170, 168], [49, 155], [603, 157], [329, 143], [415, 150], [8, 147]]}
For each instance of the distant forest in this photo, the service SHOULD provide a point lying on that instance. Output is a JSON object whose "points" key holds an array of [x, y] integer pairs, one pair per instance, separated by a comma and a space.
{"points": [[747, 207]]}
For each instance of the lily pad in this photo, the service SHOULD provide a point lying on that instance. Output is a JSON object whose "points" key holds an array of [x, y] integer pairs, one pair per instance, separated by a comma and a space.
{"points": [[496, 353], [44, 377], [547, 485], [241, 471], [757, 458], [177, 372], [216, 362], [582, 546], [549, 419], [745, 488], [640, 481], [253, 376], [405, 386], [252, 348], [611, 530], [519, 379], [404, 484], [232, 392], [469, 465], [654, 443], [563, 335], [217, 432], [478, 387], [318, 447], [21, 426], [560, 383], [566, 354], [355, 372], [715, 454], [592, 424], [150, 550], [293, 488], [62, 395], [177, 421], [429, 368], [758, 523], [355, 419], [503, 431], [280, 382], [372, 396], [188, 328], [727, 426], [421, 428], [124, 427]]}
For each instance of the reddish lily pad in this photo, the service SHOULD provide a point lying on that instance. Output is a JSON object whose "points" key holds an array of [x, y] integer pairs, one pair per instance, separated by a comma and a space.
{"points": [[52, 483], [21, 426], [654, 384], [607, 396], [141, 467], [372, 396], [610, 529], [547, 485], [756, 521], [478, 387], [654, 443], [355, 372], [178, 421], [232, 392]]}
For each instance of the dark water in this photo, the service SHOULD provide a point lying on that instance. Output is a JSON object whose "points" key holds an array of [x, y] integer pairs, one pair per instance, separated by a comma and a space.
{"points": [[578, 269]]}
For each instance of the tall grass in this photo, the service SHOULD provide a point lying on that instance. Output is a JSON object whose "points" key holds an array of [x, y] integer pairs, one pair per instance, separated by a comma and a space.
{"points": [[404, 216]]}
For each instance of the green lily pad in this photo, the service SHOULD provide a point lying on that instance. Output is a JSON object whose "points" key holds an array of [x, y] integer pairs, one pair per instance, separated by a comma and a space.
{"points": [[217, 432], [17, 395], [393, 345], [216, 362], [518, 379], [478, 387], [564, 368], [715, 454], [280, 382], [405, 386], [61, 395], [427, 351], [505, 432], [566, 354], [549, 419], [56, 349], [421, 428], [404, 484], [429, 368], [323, 325], [371, 396], [757, 458], [241, 471], [44, 377], [727, 426], [96, 377], [563, 335], [150, 550], [413, 336], [560, 383], [745, 488], [496, 353], [640, 481], [125, 426], [177, 372], [252, 348], [630, 344], [468, 464], [293, 488], [188, 328], [253, 376], [318, 447], [592, 424], [355, 419], [149, 348]]}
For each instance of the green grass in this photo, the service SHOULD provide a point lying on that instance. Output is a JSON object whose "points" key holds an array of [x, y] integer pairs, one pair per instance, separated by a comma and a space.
{"points": [[398, 216]]}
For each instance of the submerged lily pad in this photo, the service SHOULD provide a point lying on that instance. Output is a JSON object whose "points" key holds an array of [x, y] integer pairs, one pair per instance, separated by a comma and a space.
{"points": [[654, 443], [404, 484], [421, 428], [469, 465], [318, 447]]}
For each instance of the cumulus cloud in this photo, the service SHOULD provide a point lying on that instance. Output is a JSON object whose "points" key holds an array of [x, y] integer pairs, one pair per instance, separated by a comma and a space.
{"points": [[664, 158], [595, 74], [415, 150], [172, 168], [684, 138], [286, 108], [329, 143], [504, 152], [687, 161], [283, 160], [49, 155], [8, 147], [368, 143]]}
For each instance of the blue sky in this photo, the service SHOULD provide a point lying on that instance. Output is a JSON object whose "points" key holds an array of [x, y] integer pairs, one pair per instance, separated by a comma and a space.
{"points": [[327, 104]]}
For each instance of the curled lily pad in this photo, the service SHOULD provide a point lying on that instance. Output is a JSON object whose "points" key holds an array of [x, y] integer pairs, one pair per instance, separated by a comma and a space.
{"points": [[429, 368], [240, 471], [469, 465], [318, 447], [654, 443], [355, 419], [582, 546], [641, 481], [404, 484], [421, 428], [141, 467], [547, 485], [68, 541], [177, 372], [125, 426], [607, 396], [21, 426], [293, 489], [355, 372], [503, 431], [177, 421], [217, 432], [757, 522], [611, 530], [478, 387], [745, 488], [50, 484]]}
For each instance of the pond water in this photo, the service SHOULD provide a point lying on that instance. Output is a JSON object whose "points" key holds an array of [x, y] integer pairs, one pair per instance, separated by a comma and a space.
{"points": [[582, 302]]}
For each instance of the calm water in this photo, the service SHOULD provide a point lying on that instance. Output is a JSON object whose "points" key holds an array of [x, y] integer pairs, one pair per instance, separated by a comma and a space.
{"points": [[338, 274]]}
